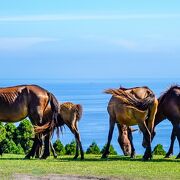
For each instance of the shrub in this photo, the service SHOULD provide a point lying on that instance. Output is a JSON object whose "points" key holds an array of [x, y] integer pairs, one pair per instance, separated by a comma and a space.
{"points": [[10, 131], [158, 150], [112, 151], [9, 146], [24, 134], [59, 147], [70, 149], [93, 149], [2, 132]]}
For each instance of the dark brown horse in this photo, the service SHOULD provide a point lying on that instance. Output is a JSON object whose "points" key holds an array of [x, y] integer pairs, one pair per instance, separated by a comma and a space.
{"points": [[130, 107], [169, 108], [19, 102], [69, 114]]}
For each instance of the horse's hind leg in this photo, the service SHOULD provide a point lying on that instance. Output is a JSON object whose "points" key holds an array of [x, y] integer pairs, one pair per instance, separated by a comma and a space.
{"points": [[74, 130], [111, 129], [46, 147], [146, 141], [33, 150], [53, 150], [170, 151]]}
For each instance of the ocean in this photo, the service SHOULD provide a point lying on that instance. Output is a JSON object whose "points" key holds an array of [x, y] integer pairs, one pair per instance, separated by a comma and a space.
{"points": [[94, 125]]}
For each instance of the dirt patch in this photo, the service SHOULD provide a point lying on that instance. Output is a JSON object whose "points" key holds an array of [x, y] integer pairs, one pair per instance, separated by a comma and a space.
{"points": [[57, 177]]}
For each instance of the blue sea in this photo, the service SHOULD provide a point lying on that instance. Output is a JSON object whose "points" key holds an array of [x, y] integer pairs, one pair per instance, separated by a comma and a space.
{"points": [[94, 125]]}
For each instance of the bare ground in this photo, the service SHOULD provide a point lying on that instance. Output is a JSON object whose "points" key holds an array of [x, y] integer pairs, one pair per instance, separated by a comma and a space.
{"points": [[59, 177]]}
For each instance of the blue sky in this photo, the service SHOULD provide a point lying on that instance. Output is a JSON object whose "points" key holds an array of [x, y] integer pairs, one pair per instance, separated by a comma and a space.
{"points": [[97, 39]]}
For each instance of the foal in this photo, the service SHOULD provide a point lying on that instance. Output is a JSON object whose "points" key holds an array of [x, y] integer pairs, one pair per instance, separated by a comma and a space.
{"points": [[69, 114]]}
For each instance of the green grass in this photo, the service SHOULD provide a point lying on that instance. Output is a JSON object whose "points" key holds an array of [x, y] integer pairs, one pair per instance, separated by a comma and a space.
{"points": [[114, 166]]}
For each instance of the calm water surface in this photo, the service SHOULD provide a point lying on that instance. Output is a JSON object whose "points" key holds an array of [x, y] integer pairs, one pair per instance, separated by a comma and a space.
{"points": [[94, 124]]}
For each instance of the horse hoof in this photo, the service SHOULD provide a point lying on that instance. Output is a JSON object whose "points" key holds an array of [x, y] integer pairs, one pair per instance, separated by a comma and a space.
{"points": [[82, 158], [104, 156], [55, 157], [177, 157], [26, 158], [133, 157], [43, 157]]}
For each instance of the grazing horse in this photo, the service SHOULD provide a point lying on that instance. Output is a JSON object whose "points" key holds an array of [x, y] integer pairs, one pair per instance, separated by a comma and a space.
{"points": [[19, 102], [130, 107], [69, 114], [169, 108]]}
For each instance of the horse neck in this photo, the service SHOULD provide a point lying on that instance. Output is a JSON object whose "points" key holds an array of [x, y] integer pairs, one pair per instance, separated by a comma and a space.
{"points": [[159, 116]]}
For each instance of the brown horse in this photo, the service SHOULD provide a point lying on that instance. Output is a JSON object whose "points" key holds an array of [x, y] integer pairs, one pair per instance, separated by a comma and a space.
{"points": [[69, 114], [169, 108], [130, 107], [19, 102]]}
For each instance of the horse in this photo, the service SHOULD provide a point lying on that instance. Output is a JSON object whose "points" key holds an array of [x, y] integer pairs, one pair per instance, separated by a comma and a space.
{"points": [[169, 108], [69, 114], [132, 106], [19, 102]]}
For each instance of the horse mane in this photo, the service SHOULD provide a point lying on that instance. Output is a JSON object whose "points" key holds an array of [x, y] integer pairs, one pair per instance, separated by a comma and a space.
{"points": [[164, 94], [130, 99]]}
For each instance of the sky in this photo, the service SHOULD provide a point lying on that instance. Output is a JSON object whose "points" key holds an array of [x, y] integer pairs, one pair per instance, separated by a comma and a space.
{"points": [[89, 39]]}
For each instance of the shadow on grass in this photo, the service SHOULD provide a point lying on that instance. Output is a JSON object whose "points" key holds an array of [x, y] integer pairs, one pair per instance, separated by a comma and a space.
{"points": [[115, 158], [95, 158]]}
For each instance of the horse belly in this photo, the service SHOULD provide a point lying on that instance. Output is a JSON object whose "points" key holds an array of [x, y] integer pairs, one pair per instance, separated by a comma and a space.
{"points": [[13, 113], [126, 117]]}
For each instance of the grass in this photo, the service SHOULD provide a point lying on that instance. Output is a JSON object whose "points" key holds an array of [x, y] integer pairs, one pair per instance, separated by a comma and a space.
{"points": [[114, 166]]}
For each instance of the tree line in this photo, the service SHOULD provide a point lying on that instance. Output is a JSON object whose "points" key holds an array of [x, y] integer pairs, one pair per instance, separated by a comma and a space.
{"points": [[18, 140]]}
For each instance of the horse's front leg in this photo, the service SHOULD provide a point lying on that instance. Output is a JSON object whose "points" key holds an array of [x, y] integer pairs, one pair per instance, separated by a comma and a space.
{"points": [[133, 153], [170, 151], [111, 129]]}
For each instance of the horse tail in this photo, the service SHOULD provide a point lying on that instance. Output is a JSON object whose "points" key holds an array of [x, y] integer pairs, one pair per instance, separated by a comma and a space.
{"points": [[78, 109], [53, 122], [129, 99]]}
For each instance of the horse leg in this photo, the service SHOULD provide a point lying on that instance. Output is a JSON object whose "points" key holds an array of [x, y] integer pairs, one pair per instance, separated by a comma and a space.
{"points": [[131, 142], [170, 151], [33, 150], [74, 130], [46, 152], [111, 129], [53, 150], [146, 141], [177, 133]]}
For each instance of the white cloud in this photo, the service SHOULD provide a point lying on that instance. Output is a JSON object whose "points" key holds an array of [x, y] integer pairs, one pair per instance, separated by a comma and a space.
{"points": [[67, 17], [18, 43]]}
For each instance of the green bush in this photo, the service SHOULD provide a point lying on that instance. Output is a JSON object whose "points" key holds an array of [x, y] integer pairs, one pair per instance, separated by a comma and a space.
{"points": [[158, 150], [93, 149], [10, 130], [2, 132], [59, 147], [70, 149], [112, 151], [24, 134], [9, 146]]}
